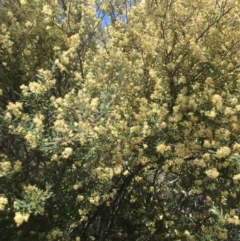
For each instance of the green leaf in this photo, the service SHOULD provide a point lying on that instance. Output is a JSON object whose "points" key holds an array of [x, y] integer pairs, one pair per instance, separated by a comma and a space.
{"points": [[103, 106], [21, 204], [39, 76]]}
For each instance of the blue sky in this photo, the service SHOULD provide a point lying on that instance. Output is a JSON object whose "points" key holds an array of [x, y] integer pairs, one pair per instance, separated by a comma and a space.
{"points": [[105, 18]]}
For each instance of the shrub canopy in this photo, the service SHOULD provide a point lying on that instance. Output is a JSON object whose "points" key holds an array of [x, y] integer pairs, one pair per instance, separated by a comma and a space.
{"points": [[125, 129]]}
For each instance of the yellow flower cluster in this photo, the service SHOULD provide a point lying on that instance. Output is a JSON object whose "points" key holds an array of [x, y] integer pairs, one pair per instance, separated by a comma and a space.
{"points": [[162, 148], [104, 173], [23, 2], [223, 152], [94, 200], [232, 218], [236, 147], [47, 10], [94, 104], [74, 41], [17, 166], [83, 214], [5, 165], [236, 177], [36, 88], [37, 120], [61, 126], [3, 202], [55, 234], [30, 188], [212, 173], [80, 198], [67, 152], [39, 88], [31, 139], [15, 108], [20, 218]]}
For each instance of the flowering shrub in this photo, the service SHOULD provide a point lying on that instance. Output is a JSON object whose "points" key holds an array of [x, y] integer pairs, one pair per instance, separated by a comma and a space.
{"points": [[127, 130]]}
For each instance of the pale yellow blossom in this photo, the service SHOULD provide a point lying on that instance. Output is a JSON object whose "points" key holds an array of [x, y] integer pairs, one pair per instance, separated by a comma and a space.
{"points": [[236, 177], [31, 139], [23, 2], [5, 166], [80, 198], [17, 166], [36, 88], [3, 202], [47, 9], [212, 173], [20, 218], [223, 152], [67, 152], [162, 148]]}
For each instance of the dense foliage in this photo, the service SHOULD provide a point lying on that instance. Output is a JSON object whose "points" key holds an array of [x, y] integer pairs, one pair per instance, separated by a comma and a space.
{"points": [[125, 129]]}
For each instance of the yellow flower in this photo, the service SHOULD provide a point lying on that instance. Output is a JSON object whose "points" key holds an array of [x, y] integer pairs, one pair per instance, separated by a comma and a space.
{"points": [[54, 157], [223, 152], [37, 120], [211, 114], [23, 2], [217, 101], [117, 170], [61, 126], [209, 81], [162, 148], [236, 146], [222, 235], [212, 173], [94, 103], [3, 202], [15, 108], [47, 10], [24, 89], [94, 200], [28, 24], [31, 139], [5, 166], [30, 188], [216, 98], [35, 87], [17, 166], [236, 177], [186, 233], [20, 218], [67, 152], [75, 40], [8, 117], [198, 182], [80, 198]]}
